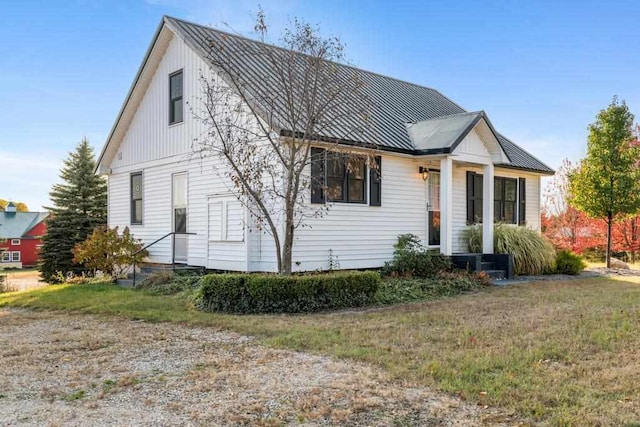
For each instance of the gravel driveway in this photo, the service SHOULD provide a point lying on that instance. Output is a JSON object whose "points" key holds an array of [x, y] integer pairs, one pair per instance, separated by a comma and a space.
{"points": [[78, 370]]}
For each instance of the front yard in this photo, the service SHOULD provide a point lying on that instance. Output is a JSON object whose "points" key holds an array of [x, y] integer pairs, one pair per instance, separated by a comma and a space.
{"points": [[565, 353]]}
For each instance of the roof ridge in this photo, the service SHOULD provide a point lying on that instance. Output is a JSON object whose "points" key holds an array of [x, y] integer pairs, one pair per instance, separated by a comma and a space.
{"points": [[243, 37]]}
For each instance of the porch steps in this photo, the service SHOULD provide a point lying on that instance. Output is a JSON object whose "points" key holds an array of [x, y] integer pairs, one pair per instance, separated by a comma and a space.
{"points": [[496, 266]]}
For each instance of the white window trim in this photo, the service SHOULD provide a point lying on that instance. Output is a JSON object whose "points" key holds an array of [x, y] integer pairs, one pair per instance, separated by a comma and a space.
{"points": [[13, 242], [6, 256], [13, 253]]}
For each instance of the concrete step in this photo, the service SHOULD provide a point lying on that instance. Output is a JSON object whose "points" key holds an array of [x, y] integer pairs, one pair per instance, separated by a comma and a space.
{"points": [[496, 274], [487, 265]]}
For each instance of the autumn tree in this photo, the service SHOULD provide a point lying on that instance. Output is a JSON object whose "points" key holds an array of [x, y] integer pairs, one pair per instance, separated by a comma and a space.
{"points": [[263, 106], [564, 225], [606, 183], [79, 206]]}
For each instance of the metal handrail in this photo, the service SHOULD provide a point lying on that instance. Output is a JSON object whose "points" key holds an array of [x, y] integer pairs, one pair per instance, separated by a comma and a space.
{"points": [[173, 251]]}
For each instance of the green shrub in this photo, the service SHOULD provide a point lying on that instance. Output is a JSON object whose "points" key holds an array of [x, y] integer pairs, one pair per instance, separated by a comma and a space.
{"points": [[402, 290], [411, 259], [262, 293], [569, 263], [532, 253]]}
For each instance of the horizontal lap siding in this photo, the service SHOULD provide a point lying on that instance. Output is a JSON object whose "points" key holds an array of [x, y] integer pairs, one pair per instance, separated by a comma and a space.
{"points": [[460, 200], [362, 236]]}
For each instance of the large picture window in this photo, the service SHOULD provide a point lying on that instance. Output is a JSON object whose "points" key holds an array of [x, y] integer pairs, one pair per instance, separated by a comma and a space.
{"points": [[176, 110], [509, 199], [344, 178], [136, 198]]}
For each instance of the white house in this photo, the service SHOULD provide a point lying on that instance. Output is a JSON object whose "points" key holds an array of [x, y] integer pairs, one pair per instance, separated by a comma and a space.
{"points": [[438, 164]]}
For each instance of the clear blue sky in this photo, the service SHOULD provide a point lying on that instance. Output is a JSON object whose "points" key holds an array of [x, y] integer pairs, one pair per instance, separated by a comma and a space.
{"points": [[541, 69]]}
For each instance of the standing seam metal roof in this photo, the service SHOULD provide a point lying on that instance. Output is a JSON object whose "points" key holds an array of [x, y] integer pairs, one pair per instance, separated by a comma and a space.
{"points": [[395, 102], [14, 225]]}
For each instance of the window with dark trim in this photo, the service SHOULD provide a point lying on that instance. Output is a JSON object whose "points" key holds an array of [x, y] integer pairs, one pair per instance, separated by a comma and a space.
{"points": [[336, 177], [176, 110], [505, 198], [136, 198], [509, 199]]}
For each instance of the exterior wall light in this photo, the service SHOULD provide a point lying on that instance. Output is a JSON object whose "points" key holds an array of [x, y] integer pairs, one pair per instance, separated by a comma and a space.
{"points": [[424, 172]]}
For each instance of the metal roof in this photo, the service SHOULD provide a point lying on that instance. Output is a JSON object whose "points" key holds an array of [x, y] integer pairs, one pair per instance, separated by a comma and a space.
{"points": [[14, 225], [394, 102]]}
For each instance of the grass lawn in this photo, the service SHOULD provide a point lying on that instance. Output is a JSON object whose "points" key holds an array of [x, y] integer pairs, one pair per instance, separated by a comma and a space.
{"points": [[562, 352]]}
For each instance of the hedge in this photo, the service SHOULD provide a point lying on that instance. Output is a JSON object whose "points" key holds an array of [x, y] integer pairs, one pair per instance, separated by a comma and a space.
{"points": [[262, 293]]}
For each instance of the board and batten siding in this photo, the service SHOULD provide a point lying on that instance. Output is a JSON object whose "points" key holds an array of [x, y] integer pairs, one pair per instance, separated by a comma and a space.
{"points": [[151, 146]]}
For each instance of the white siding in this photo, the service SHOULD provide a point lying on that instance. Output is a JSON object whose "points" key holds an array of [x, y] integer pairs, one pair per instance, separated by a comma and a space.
{"points": [[149, 136], [460, 200], [158, 150], [362, 236], [357, 236]]}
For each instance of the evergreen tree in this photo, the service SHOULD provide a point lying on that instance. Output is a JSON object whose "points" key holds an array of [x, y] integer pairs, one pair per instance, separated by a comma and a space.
{"points": [[79, 206], [607, 182]]}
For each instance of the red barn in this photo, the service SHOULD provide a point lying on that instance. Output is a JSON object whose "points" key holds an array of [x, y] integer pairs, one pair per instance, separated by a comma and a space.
{"points": [[20, 237]]}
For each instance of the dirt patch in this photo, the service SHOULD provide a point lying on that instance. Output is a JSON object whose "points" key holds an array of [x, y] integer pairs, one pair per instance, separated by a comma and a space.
{"points": [[23, 280], [59, 369]]}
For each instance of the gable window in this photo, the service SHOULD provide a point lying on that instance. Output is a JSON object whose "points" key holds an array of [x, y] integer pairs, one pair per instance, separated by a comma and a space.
{"points": [[15, 242], [337, 177], [15, 256], [176, 110], [509, 199], [136, 198]]}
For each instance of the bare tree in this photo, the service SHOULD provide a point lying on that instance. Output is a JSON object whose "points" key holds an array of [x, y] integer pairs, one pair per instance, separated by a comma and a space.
{"points": [[264, 106]]}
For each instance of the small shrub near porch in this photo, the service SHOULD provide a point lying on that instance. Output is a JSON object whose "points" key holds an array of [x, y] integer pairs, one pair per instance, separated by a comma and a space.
{"points": [[569, 263], [266, 293], [412, 259]]}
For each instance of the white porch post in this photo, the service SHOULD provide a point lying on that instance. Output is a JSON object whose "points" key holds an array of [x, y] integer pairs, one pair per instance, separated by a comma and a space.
{"points": [[487, 209], [446, 206]]}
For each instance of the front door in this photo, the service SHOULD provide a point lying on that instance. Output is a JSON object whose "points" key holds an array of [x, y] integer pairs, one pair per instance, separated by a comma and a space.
{"points": [[433, 208], [179, 216]]}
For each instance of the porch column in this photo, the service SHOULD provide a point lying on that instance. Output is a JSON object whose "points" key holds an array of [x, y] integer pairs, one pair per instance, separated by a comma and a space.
{"points": [[446, 206], [487, 209]]}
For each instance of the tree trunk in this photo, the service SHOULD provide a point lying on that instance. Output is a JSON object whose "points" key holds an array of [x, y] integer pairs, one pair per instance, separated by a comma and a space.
{"points": [[609, 224], [287, 246]]}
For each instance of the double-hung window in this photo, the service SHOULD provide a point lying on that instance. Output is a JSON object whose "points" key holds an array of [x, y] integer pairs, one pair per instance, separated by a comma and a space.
{"points": [[136, 198], [176, 109], [509, 199], [15, 256], [505, 198]]}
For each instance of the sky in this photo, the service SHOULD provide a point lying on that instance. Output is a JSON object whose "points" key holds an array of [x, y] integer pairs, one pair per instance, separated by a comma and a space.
{"points": [[540, 69]]}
